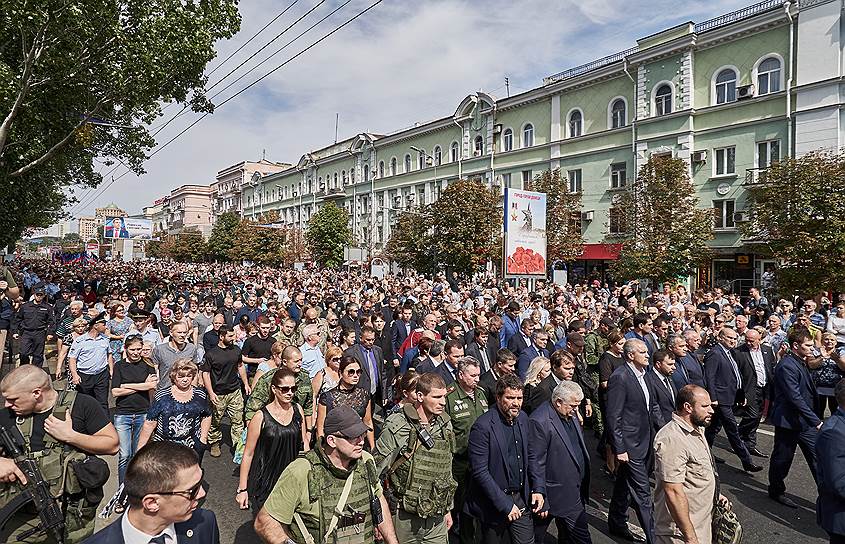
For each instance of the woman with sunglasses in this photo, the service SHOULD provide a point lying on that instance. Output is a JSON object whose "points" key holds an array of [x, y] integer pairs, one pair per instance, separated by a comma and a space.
{"points": [[275, 437], [329, 376], [347, 393], [116, 329]]}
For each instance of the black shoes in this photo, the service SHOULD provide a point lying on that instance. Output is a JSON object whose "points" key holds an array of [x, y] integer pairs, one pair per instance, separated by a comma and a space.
{"points": [[757, 453], [751, 467], [625, 534], [784, 500]]}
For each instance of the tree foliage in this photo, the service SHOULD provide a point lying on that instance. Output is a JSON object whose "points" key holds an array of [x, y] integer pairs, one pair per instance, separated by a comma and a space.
{"points": [[260, 243], [222, 236], [78, 82], [188, 246], [666, 231], [328, 233], [797, 210], [565, 242], [410, 243]]}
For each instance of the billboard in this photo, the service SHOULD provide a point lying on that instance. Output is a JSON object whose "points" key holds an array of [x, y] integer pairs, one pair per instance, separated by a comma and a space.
{"points": [[525, 233], [127, 227]]}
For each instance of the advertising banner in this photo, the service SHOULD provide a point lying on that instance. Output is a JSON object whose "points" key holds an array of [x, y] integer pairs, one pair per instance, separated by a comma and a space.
{"points": [[127, 227], [92, 248], [525, 234]]}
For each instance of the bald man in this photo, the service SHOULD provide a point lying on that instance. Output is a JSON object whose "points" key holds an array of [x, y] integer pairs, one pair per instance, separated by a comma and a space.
{"points": [[756, 364]]}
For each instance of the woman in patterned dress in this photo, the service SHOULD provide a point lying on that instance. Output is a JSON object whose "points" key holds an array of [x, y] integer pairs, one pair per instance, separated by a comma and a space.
{"points": [[116, 328]]}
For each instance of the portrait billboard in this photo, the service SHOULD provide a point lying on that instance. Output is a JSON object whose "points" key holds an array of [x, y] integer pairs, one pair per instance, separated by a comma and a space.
{"points": [[128, 228], [525, 234]]}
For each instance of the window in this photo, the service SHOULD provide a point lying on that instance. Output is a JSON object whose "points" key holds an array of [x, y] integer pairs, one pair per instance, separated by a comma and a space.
{"points": [[507, 140], [421, 159], [527, 176], [366, 172], [528, 135], [438, 156], [506, 181], [618, 175], [421, 195], [334, 181], [479, 146], [380, 169], [343, 177], [725, 161], [407, 163], [663, 100], [768, 76], [453, 152], [574, 177], [768, 152], [576, 124], [617, 113], [724, 214], [352, 175], [393, 166], [726, 86], [615, 221]]}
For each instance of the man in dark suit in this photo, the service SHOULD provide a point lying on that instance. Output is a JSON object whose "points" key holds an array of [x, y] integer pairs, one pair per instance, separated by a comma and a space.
{"points": [[502, 491], [830, 445], [796, 424], [402, 327], [477, 348], [563, 369], [724, 383], [687, 368], [164, 484], [505, 364], [539, 341], [633, 418], [660, 384], [563, 465], [494, 344], [372, 364], [522, 339], [448, 368], [756, 366]]}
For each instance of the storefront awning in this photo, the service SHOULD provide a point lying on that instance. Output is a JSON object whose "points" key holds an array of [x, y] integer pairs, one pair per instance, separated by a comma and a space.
{"points": [[600, 252]]}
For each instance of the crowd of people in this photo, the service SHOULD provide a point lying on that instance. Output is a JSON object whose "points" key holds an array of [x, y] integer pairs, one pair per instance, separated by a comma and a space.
{"points": [[404, 408]]}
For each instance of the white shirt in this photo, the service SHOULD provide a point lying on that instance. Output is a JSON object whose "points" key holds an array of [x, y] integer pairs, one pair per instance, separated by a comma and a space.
{"points": [[132, 535], [759, 366], [640, 374], [664, 382]]}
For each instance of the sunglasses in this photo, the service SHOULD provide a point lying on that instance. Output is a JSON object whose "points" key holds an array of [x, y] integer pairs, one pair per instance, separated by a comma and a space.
{"points": [[353, 371], [335, 359], [285, 389], [190, 494]]}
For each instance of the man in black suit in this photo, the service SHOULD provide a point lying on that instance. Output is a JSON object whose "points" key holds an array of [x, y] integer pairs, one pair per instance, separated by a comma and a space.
{"points": [[563, 369], [448, 368], [402, 327], [660, 384], [724, 383], [687, 368], [372, 364], [563, 466], [756, 363], [494, 344], [830, 445], [633, 418], [504, 476], [539, 341], [164, 484], [505, 364], [522, 339], [477, 348]]}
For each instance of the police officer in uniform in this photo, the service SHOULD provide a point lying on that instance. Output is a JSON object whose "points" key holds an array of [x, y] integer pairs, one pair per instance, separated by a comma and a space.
{"points": [[329, 494], [54, 428], [34, 325], [464, 404], [415, 452]]}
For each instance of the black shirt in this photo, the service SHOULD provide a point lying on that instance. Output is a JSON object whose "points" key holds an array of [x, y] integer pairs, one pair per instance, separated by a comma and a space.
{"points": [[222, 364], [210, 340], [256, 347], [514, 460], [126, 372], [87, 417]]}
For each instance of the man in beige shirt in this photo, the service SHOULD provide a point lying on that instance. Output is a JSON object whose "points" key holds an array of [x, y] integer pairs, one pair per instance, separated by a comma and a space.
{"points": [[684, 471]]}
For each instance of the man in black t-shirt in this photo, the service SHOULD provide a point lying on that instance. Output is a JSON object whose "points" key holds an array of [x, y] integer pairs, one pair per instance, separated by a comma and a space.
{"points": [[222, 367], [257, 349], [29, 395]]}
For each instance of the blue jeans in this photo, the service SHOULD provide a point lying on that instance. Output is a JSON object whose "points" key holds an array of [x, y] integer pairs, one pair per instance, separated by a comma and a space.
{"points": [[128, 428]]}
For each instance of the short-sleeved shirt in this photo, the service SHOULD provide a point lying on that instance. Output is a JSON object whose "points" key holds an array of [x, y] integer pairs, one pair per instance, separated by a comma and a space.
{"points": [[179, 421], [124, 373], [682, 456], [91, 354], [87, 417], [222, 364], [164, 355], [256, 347]]}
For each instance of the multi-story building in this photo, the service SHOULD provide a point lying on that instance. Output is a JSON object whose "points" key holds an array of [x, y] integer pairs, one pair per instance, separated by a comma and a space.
{"points": [[227, 187], [729, 95], [155, 214], [188, 207], [110, 210], [88, 228]]}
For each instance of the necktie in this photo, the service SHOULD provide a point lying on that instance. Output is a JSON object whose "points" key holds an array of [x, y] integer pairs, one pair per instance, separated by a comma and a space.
{"points": [[669, 387], [160, 539], [735, 369], [371, 364], [683, 371]]}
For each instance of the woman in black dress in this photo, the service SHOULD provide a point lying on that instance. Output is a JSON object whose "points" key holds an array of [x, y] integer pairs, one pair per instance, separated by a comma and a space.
{"points": [[609, 361], [347, 393], [275, 437]]}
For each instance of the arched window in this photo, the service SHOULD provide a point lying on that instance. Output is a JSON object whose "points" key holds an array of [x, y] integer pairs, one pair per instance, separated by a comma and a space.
{"points": [[393, 166], [507, 140], [421, 159], [343, 177], [617, 114], [726, 86], [768, 76], [352, 175], [454, 152], [663, 100], [334, 181], [528, 135], [407, 163], [366, 172], [380, 169], [576, 124], [438, 156], [479, 145]]}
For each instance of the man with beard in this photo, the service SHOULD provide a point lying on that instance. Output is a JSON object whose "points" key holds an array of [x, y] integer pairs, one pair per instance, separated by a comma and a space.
{"points": [[684, 471]]}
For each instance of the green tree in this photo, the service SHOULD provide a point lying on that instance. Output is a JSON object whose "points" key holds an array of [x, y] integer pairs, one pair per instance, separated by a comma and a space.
{"points": [[565, 242], [410, 242], [261, 243], [79, 80], [465, 224], [71, 237], [222, 236], [328, 233], [797, 209], [189, 247], [667, 232]]}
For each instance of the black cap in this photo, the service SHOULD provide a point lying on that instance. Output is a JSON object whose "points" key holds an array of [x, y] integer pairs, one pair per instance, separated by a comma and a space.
{"points": [[608, 322], [38, 289], [101, 318], [344, 421], [139, 313]]}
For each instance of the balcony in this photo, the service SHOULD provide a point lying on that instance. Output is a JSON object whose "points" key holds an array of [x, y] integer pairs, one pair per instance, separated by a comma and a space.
{"points": [[756, 176]]}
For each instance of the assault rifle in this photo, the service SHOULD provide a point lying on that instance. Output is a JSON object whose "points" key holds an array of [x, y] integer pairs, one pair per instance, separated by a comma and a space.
{"points": [[36, 490]]}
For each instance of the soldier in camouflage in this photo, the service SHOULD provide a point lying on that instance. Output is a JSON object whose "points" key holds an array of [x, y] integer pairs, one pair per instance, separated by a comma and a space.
{"points": [[595, 344]]}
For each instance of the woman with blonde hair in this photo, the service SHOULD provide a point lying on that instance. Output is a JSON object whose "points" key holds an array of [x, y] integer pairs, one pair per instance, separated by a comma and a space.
{"points": [[538, 370], [329, 376]]}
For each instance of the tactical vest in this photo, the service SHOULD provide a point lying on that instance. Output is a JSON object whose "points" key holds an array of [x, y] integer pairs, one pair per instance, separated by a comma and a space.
{"points": [[424, 483], [325, 489], [54, 462]]}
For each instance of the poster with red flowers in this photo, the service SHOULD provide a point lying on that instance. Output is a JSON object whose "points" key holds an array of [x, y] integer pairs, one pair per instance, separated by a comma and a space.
{"points": [[525, 233]]}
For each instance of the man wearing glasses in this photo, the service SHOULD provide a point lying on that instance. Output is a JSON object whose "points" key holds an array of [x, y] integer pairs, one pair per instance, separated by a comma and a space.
{"points": [[164, 484]]}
